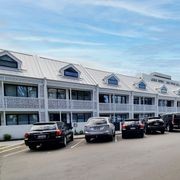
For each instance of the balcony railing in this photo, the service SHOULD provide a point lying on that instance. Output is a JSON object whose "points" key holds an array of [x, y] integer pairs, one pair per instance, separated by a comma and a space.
{"points": [[114, 107], [164, 109], [23, 103], [144, 108], [71, 104]]}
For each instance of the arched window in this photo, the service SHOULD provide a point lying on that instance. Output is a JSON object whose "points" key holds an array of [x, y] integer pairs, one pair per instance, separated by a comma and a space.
{"points": [[71, 72], [7, 61], [142, 85], [113, 81], [164, 90]]}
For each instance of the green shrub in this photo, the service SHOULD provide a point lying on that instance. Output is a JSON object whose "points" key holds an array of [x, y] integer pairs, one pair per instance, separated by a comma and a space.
{"points": [[7, 137], [81, 132]]}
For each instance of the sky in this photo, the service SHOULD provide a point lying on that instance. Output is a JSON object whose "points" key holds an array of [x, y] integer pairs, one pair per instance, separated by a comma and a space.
{"points": [[121, 36]]}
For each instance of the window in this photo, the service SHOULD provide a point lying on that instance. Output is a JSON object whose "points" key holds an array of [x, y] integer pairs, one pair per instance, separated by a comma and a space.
{"points": [[141, 85], [136, 100], [7, 61], [20, 90], [81, 117], [104, 98], [54, 117], [71, 72], [164, 90], [113, 81], [21, 119], [56, 93], [81, 95], [119, 99]]}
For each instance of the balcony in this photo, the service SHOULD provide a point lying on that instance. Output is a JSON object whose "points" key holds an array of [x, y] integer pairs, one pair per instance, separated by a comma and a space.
{"points": [[66, 104], [23, 103], [103, 107], [164, 109], [144, 108]]}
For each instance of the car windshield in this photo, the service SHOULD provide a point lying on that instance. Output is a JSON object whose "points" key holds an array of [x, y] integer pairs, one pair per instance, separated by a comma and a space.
{"points": [[97, 121], [42, 127]]}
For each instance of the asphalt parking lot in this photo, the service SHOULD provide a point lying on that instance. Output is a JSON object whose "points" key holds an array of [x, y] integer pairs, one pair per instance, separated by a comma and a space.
{"points": [[154, 157]]}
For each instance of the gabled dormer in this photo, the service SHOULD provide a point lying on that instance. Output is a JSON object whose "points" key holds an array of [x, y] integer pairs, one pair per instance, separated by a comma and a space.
{"points": [[112, 80], [70, 71], [163, 89], [177, 92], [7, 60], [141, 85]]}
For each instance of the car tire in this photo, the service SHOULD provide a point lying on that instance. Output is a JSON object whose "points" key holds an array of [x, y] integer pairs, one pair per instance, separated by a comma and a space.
{"points": [[87, 139], [72, 138], [32, 147], [64, 141], [162, 131], [169, 128], [111, 137], [114, 134], [141, 135], [147, 131], [124, 136]]}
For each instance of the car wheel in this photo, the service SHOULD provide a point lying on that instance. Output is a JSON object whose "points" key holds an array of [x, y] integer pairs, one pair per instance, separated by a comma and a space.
{"points": [[141, 135], [87, 139], [72, 138], [114, 134], [111, 137], [169, 128], [64, 141], [147, 131], [123, 136], [32, 147], [162, 131]]}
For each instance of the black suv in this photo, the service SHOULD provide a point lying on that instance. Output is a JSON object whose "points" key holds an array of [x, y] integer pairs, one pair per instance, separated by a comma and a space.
{"points": [[132, 127], [154, 124], [172, 121], [49, 133]]}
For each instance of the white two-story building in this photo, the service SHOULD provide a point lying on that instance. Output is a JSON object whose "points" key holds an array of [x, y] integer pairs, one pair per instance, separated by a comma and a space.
{"points": [[37, 89]]}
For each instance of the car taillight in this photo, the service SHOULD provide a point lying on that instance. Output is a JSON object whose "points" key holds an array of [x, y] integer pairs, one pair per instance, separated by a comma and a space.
{"points": [[26, 136], [58, 132], [123, 126], [141, 126]]}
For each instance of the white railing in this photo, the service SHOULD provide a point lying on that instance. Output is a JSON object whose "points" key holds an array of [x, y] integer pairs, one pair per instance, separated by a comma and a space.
{"points": [[178, 109], [144, 108], [23, 102], [164, 109], [70, 104], [114, 107]]}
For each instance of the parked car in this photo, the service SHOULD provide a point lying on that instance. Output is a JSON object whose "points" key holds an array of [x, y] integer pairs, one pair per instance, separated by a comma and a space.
{"points": [[132, 127], [49, 133], [98, 127], [172, 121], [153, 124]]}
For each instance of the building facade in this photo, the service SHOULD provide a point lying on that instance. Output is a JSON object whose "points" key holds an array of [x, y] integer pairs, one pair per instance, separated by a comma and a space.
{"points": [[37, 89]]}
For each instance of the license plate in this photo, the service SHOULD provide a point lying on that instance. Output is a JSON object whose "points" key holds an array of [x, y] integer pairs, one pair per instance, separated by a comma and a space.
{"points": [[132, 128], [156, 124], [41, 137]]}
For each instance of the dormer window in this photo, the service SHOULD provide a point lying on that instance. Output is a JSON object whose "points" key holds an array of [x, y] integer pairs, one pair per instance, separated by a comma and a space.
{"points": [[112, 81], [6, 61], [71, 72], [163, 90], [142, 85]]}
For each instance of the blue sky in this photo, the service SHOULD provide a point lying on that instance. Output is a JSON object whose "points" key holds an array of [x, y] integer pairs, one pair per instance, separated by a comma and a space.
{"points": [[127, 36]]}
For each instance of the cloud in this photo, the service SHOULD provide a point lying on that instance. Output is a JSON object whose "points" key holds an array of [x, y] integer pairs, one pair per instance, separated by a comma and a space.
{"points": [[52, 40]]}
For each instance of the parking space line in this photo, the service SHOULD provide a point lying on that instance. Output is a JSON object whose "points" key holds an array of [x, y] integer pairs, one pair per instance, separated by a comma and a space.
{"points": [[77, 144], [10, 149], [11, 154]]}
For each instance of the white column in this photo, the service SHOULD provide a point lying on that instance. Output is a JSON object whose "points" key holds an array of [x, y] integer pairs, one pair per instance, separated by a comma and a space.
{"points": [[131, 103], [175, 105], [46, 100], [97, 99], [156, 104], [60, 116], [2, 86]]}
